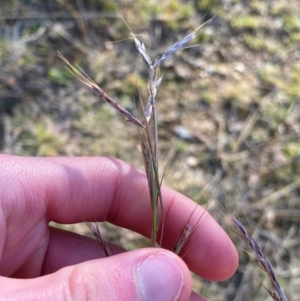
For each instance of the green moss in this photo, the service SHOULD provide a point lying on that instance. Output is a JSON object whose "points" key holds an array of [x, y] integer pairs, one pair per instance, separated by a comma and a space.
{"points": [[275, 48], [255, 42], [41, 139], [294, 37], [61, 76], [292, 83], [208, 96], [247, 21], [259, 135], [258, 5], [291, 149], [287, 82], [180, 146], [291, 23], [209, 5], [110, 6], [203, 37], [280, 9], [270, 73], [172, 12]]}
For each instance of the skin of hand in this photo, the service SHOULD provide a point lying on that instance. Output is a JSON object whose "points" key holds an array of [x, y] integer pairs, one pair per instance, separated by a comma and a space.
{"points": [[39, 262]]}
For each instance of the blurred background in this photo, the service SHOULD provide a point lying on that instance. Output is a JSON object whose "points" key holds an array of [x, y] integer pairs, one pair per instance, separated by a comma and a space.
{"points": [[228, 109]]}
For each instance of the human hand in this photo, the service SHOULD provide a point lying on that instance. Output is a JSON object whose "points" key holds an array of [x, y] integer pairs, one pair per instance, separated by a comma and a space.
{"points": [[38, 262]]}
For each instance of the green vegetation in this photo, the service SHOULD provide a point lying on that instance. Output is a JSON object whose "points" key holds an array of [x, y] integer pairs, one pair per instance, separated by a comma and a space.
{"points": [[237, 91]]}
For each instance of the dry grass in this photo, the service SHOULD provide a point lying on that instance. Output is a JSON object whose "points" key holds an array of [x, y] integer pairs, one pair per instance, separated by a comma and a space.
{"points": [[276, 292], [148, 136], [236, 96]]}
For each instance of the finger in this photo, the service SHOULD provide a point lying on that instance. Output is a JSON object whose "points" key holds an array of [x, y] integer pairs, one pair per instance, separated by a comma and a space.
{"points": [[145, 274], [75, 188], [66, 248]]}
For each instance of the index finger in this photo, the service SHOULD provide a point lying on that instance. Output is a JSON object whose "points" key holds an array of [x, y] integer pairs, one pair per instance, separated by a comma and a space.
{"points": [[74, 189]]}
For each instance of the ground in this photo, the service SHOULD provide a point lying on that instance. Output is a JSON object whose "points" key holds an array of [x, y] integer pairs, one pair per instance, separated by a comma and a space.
{"points": [[228, 107]]}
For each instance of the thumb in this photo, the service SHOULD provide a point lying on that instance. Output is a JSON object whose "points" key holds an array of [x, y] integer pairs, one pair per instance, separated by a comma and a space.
{"points": [[142, 275]]}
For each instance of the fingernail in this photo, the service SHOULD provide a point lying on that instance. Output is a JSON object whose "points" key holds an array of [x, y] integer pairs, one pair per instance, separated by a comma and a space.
{"points": [[159, 278]]}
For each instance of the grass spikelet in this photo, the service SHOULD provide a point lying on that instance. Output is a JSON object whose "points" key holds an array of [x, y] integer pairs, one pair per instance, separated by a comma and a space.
{"points": [[276, 293], [100, 238], [184, 237], [188, 230], [85, 79], [176, 47], [181, 44], [142, 51]]}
